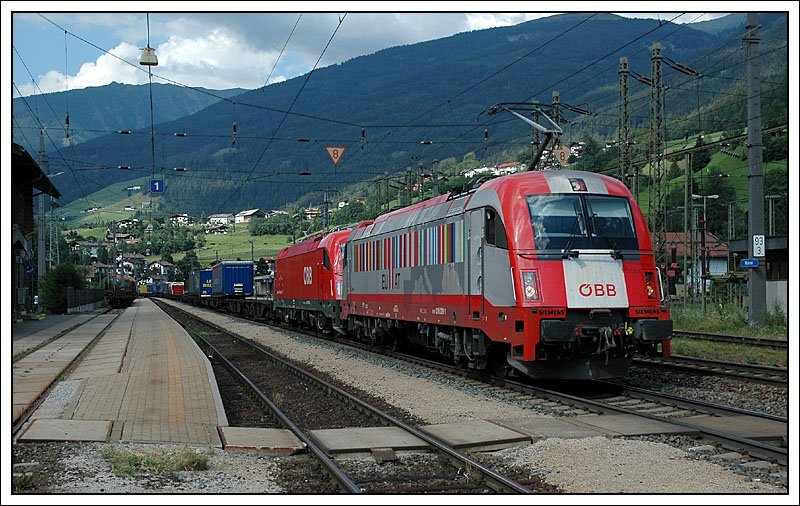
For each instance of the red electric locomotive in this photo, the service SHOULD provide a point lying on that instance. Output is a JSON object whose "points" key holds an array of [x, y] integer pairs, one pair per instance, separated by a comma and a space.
{"points": [[308, 280], [549, 274]]}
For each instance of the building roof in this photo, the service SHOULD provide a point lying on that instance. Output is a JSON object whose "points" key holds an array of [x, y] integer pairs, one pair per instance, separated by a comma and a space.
{"points": [[26, 172], [716, 247], [249, 212]]}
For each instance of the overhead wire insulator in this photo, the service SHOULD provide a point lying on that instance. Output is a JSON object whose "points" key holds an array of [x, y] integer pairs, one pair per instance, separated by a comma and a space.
{"points": [[363, 137], [234, 134], [485, 138], [66, 121]]}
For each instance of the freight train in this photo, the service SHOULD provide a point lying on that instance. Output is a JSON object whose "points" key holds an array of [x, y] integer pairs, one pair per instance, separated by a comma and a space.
{"points": [[120, 293], [546, 274]]}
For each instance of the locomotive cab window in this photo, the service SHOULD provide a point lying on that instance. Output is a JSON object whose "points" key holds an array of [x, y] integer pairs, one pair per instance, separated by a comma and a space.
{"points": [[568, 221], [495, 230]]}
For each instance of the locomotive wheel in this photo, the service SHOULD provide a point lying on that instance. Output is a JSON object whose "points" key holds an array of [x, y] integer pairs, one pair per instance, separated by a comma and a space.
{"points": [[498, 364]]}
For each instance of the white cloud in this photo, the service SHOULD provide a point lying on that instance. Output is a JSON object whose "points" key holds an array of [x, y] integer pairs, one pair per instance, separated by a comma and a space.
{"points": [[491, 20], [105, 70]]}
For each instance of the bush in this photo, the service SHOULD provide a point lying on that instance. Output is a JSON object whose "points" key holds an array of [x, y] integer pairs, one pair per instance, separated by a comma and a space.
{"points": [[55, 286]]}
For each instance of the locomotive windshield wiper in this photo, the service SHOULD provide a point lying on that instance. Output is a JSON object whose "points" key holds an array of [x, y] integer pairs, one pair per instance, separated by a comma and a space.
{"points": [[568, 253], [616, 254]]}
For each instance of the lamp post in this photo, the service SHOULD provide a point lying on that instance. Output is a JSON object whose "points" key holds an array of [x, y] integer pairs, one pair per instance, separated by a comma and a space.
{"points": [[703, 246]]}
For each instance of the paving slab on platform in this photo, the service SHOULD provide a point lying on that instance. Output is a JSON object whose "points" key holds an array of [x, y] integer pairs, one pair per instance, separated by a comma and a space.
{"points": [[66, 430], [363, 439], [159, 431], [631, 425], [269, 441], [479, 435], [747, 426]]}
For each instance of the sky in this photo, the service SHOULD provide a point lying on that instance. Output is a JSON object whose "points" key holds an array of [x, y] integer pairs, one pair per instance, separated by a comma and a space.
{"points": [[53, 50]]}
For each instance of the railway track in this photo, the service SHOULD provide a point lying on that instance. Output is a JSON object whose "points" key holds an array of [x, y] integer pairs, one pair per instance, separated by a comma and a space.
{"points": [[446, 470], [726, 338], [758, 435], [749, 372], [750, 433]]}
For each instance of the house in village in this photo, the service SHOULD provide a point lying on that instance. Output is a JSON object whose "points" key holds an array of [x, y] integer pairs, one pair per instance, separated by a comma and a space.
{"points": [[85, 247], [245, 216], [162, 267], [221, 219], [181, 219], [217, 230]]}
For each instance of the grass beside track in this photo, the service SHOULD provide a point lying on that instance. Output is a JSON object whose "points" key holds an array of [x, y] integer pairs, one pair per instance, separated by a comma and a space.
{"points": [[739, 353]]}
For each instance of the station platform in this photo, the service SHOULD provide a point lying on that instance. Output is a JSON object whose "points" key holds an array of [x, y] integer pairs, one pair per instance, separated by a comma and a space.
{"points": [[145, 380]]}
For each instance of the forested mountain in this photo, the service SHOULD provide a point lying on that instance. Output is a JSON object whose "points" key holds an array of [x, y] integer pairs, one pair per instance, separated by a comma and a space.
{"points": [[425, 101], [96, 111]]}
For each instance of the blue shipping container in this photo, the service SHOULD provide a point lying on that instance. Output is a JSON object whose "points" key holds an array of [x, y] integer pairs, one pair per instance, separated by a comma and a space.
{"points": [[232, 279], [205, 282]]}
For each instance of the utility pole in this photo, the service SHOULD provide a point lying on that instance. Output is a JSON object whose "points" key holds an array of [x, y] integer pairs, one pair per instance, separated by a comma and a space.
{"points": [[657, 221], [435, 168], [695, 256], [757, 279], [687, 190], [41, 266], [705, 257], [421, 182], [556, 116], [116, 264], [624, 120], [535, 141]]}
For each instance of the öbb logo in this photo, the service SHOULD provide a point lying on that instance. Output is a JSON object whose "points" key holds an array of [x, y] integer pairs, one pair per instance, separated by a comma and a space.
{"points": [[598, 290]]}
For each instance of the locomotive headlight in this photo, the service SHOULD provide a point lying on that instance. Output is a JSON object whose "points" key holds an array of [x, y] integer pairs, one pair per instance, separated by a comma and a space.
{"points": [[530, 284], [649, 285]]}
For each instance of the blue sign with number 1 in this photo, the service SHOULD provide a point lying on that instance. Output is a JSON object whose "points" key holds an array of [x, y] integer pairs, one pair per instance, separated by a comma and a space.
{"points": [[156, 186]]}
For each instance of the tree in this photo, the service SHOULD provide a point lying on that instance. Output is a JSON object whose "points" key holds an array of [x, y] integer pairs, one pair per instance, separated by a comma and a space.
{"points": [[701, 157], [262, 267], [56, 282], [674, 170], [185, 266], [103, 256], [716, 183]]}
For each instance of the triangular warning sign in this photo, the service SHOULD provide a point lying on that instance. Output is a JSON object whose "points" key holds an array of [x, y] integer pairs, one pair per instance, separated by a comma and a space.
{"points": [[335, 152]]}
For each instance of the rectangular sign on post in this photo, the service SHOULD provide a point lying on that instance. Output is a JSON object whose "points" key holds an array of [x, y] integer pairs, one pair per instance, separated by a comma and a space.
{"points": [[748, 263], [156, 186], [758, 246]]}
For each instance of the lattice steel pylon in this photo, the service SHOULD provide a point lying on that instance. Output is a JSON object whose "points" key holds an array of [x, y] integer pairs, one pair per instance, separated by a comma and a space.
{"points": [[656, 209], [624, 124]]}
